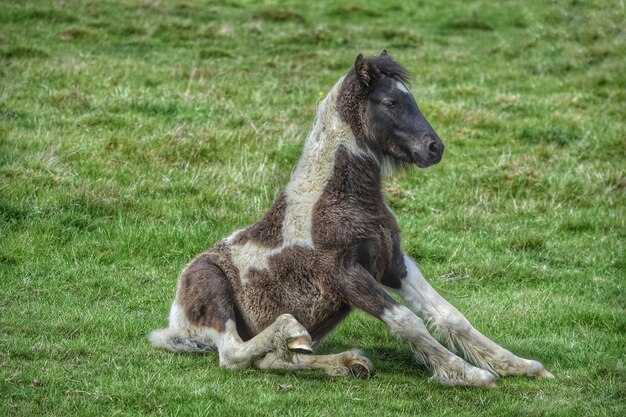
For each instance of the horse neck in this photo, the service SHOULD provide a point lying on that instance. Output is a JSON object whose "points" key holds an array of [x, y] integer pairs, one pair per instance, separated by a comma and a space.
{"points": [[330, 135], [329, 138]]}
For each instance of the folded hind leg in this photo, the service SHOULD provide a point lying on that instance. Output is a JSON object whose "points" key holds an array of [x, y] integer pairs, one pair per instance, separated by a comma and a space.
{"points": [[202, 318], [457, 330], [280, 338], [203, 313], [350, 363]]}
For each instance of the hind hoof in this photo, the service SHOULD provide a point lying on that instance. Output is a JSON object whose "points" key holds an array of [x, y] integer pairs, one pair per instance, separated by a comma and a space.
{"points": [[300, 345], [360, 369], [357, 364]]}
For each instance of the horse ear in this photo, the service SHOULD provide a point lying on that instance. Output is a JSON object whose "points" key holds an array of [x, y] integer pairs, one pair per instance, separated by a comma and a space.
{"points": [[362, 70], [384, 53]]}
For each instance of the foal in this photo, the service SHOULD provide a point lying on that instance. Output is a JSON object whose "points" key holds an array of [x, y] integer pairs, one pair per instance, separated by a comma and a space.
{"points": [[266, 295]]}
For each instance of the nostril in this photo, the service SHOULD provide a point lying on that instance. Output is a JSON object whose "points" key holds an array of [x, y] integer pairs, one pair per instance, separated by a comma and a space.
{"points": [[432, 147]]}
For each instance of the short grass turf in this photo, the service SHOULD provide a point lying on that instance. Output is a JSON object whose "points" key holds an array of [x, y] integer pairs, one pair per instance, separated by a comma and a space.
{"points": [[133, 135]]}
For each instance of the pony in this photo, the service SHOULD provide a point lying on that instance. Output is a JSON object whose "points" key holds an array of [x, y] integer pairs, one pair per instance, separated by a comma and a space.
{"points": [[267, 295]]}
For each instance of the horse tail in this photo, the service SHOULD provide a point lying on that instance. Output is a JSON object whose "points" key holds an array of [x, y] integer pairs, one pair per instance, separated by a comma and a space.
{"points": [[176, 341]]}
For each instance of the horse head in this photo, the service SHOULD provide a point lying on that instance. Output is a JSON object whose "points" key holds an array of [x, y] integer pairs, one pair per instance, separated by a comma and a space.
{"points": [[383, 113]]}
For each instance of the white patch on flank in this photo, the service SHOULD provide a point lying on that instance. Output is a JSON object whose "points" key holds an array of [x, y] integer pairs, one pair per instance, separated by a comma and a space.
{"points": [[250, 255], [177, 317], [229, 338], [178, 322], [307, 184]]}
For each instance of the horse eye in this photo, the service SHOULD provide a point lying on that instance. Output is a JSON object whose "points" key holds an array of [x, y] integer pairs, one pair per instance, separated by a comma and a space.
{"points": [[390, 103]]}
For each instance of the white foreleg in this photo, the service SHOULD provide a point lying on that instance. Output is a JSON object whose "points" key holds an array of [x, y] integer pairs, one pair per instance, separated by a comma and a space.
{"points": [[449, 323]]}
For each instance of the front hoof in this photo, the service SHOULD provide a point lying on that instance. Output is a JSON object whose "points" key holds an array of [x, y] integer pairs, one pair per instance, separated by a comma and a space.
{"points": [[536, 369], [491, 384], [484, 379], [545, 374]]}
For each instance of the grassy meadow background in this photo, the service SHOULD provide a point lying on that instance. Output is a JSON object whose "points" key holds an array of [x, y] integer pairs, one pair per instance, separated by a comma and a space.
{"points": [[133, 135]]}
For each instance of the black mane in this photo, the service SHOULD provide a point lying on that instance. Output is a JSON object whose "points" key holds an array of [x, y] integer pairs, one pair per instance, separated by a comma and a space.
{"points": [[387, 66]]}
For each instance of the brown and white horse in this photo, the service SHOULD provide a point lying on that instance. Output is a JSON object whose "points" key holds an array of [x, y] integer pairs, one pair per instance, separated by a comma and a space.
{"points": [[265, 296]]}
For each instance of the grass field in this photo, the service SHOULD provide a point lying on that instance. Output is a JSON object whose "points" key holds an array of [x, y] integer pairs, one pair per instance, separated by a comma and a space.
{"points": [[133, 135]]}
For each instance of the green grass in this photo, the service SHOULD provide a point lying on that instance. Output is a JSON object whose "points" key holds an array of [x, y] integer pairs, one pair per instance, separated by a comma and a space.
{"points": [[135, 135]]}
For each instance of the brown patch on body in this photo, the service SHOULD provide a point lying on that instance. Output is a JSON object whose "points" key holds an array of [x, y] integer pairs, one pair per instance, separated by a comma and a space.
{"points": [[323, 328], [204, 294], [395, 270], [295, 282], [268, 231], [352, 215]]}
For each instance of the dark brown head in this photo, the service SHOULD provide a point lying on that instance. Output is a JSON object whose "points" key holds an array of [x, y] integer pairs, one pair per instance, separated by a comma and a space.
{"points": [[383, 114]]}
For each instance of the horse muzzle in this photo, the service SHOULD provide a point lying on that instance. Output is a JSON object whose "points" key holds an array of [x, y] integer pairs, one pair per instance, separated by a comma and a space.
{"points": [[430, 152]]}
